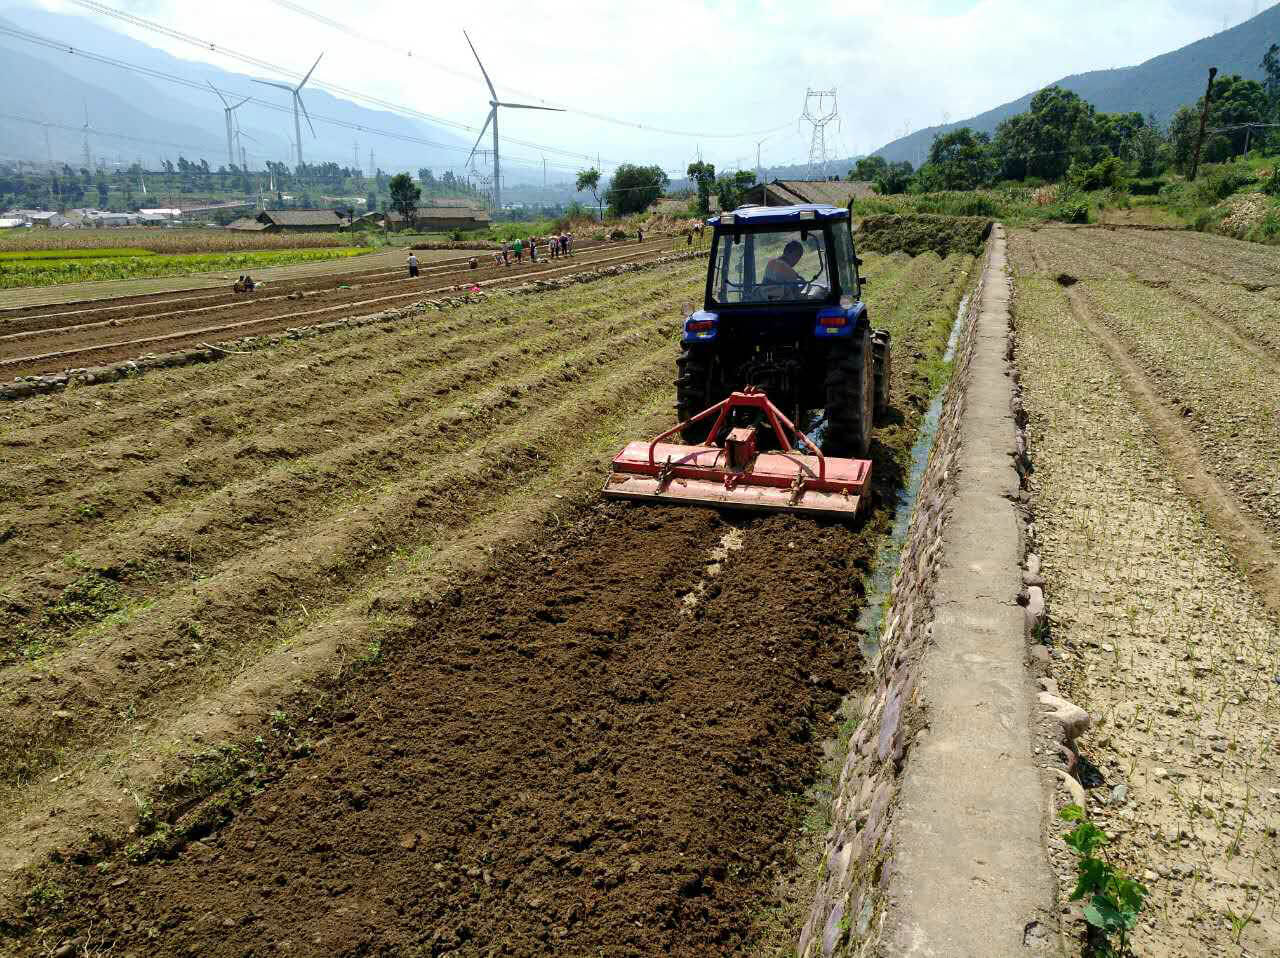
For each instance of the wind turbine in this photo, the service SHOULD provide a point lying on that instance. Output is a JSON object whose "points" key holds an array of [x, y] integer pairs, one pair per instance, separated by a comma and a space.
{"points": [[296, 92], [88, 157], [493, 118], [228, 109]]}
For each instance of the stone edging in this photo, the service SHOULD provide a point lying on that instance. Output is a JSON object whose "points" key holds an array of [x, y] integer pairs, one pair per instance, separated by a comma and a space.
{"points": [[26, 386], [903, 874]]}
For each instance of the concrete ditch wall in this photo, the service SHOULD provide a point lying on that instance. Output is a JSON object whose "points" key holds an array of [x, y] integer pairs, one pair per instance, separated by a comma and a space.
{"points": [[936, 845], [25, 386]]}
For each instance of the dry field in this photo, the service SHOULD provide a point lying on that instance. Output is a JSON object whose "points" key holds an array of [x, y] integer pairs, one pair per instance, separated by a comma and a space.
{"points": [[166, 240], [1153, 388], [331, 649]]}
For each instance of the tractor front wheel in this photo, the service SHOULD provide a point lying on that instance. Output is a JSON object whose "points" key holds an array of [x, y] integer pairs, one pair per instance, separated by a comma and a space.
{"points": [[693, 391], [850, 395]]}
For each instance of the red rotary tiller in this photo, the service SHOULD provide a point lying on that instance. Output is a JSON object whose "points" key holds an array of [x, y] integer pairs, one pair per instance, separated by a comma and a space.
{"points": [[733, 473]]}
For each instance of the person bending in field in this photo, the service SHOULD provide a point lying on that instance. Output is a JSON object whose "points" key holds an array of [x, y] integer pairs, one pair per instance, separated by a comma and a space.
{"points": [[249, 284], [239, 286], [413, 264]]}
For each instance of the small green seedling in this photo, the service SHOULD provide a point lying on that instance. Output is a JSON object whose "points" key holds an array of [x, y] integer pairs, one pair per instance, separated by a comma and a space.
{"points": [[1113, 899]]}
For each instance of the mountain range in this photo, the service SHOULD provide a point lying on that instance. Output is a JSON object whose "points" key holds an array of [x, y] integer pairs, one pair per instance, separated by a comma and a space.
{"points": [[1157, 87], [134, 117]]}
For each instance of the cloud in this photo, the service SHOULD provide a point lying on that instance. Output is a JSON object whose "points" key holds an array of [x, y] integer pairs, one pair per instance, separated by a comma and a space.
{"points": [[710, 67]]}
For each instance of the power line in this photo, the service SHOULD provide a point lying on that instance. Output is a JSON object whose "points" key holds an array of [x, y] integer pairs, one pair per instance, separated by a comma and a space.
{"points": [[266, 104], [249, 60], [460, 74]]}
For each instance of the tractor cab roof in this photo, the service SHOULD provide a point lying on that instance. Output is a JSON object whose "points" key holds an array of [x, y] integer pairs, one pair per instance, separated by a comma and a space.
{"points": [[780, 215]]}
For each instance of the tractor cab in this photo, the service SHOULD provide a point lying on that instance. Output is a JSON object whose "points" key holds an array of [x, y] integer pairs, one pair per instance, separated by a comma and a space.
{"points": [[796, 255]]}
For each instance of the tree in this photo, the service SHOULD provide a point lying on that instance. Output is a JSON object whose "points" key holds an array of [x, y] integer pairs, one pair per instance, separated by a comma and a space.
{"points": [[869, 169], [704, 177], [1271, 68], [404, 197], [729, 187], [1058, 128], [589, 180], [1236, 102], [962, 158], [634, 188], [893, 179], [102, 191]]}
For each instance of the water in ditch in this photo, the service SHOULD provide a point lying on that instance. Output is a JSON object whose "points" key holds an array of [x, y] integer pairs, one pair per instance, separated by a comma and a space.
{"points": [[885, 565]]}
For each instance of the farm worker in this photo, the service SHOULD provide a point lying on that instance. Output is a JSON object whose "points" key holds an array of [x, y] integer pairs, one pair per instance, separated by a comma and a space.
{"points": [[568, 244], [518, 246], [781, 270], [533, 251], [506, 254], [472, 262], [639, 235], [239, 286], [413, 263], [249, 284]]}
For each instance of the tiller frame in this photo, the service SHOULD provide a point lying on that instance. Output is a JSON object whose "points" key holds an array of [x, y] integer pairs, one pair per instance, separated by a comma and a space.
{"points": [[734, 473]]}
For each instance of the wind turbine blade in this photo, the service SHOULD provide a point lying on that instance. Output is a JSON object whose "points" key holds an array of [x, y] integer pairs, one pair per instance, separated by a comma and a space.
{"points": [[220, 96], [492, 92], [530, 106], [309, 72], [305, 113], [278, 86], [487, 120]]}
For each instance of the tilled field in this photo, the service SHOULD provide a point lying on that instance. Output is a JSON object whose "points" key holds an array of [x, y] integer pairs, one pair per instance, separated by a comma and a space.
{"points": [[1154, 399], [341, 630], [51, 338]]}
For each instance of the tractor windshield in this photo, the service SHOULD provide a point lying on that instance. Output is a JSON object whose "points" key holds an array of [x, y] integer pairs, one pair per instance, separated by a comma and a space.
{"points": [[771, 266]]}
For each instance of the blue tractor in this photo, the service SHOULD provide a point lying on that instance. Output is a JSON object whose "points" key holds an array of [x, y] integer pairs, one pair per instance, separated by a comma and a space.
{"points": [[783, 313]]}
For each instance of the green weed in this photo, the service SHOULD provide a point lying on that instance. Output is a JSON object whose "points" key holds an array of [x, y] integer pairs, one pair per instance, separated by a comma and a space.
{"points": [[1114, 899]]}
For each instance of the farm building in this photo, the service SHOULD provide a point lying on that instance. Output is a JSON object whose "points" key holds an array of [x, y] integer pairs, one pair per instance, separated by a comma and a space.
{"points": [[247, 224], [9, 223], [302, 221], [434, 219], [787, 192], [44, 219]]}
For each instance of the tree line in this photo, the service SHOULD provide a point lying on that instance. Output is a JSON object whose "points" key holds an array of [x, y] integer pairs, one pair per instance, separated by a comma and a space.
{"points": [[1061, 136]]}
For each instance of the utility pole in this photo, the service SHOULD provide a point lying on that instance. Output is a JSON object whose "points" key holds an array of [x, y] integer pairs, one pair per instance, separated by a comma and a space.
{"points": [[373, 170], [544, 173], [1204, 118], [355, 155]]}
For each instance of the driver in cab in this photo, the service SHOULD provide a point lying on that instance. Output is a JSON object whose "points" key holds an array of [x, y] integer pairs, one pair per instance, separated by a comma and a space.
{"points": [[780, 274]]}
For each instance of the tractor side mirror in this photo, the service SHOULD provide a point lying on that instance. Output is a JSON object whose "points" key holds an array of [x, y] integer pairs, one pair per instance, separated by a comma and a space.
{"points": [[862, 281]]}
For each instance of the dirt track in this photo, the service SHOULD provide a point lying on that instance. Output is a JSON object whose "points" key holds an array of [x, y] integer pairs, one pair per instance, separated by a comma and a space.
{"points": [[49, 339], [338, 502]]}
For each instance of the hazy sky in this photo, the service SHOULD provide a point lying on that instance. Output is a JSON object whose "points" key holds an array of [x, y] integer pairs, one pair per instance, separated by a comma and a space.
{"points": [[722, 75]]}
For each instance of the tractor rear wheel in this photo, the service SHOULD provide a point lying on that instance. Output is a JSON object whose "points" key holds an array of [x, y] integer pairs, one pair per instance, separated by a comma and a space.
{"points": [[880, 353], [693, 391], [850, 395]]}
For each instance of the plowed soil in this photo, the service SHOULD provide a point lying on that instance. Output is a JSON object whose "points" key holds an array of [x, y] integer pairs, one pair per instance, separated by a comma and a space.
{"points": [[344, 635], [49, 339], [1154, 434]]}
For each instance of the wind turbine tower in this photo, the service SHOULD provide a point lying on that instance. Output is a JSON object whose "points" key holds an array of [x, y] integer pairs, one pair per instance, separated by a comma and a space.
{"points": [[228, 110], [296, 93], [88, 157], [819, 115], [494, 103]]}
